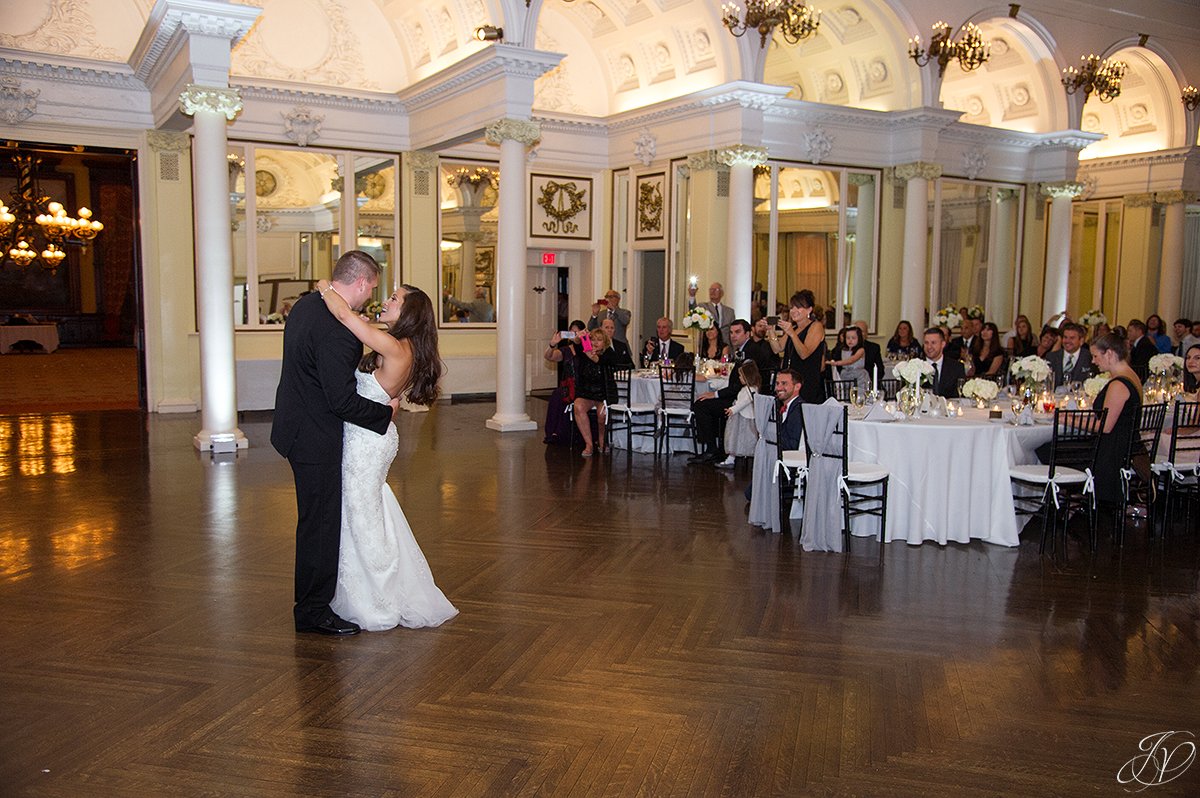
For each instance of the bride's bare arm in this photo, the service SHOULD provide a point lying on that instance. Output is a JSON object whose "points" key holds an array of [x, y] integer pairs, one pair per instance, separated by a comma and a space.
{"points": [[363, 330]]}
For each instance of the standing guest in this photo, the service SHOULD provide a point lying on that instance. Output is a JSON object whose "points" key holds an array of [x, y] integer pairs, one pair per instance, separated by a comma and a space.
{"points": [[802, 344], [478, 310], [1073, 362], [1156, 331], [1191, 369], [565, 352], [1047, 342], [992, 358], [722, 314], [760, 349], [1022, 342], [1121, 396], [661, 347], [1183, 336], [851, 359], [1141, 347], [712, 344], [622, 357], [947, 371], [709, 407], [903, 343], [611, 308], [874, 357], [741, 436], [593, 390]]}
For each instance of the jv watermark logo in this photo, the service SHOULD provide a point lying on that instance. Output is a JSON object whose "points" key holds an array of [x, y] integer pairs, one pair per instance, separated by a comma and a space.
{"points": [[1165, 757]]}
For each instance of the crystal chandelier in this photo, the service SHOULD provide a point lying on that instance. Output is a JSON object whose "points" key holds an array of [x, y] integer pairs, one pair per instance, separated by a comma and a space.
{"points": [[1101, 77], [971, 51], [795, 20], [35, 222]]}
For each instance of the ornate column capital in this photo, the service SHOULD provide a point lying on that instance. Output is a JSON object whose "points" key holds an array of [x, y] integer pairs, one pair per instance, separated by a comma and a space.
{"points": [[1067, 189], [167, 141], [1145, 200], [922, 169], [423, 159], [860, 179], [741, 155], [522, 130], [1175, 197], [705, 161], [1002, 195], [196, 98]]}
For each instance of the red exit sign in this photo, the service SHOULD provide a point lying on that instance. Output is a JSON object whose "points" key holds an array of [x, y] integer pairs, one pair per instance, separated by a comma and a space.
{"points": [[549, 258]]}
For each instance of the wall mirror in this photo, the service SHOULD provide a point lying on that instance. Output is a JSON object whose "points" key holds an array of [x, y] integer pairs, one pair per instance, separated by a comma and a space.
{"points": [[470, 192]]}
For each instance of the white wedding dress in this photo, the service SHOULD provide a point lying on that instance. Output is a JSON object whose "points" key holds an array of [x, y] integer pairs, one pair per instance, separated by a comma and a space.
{"points": [[383, 578]]}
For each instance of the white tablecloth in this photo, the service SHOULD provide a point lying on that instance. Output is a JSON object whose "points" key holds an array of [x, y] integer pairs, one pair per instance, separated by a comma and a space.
{"points": [[949, 477], [644, 389], [44, 334]]}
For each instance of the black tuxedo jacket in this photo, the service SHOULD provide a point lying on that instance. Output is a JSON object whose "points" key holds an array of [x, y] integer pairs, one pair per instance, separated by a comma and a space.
{"points": [[621, 357], [750, 351], [1140, 355], [951, 372], [788, 431], [955, 347], [1083, 366], [674, 350], [873, 358], [317, 390]]}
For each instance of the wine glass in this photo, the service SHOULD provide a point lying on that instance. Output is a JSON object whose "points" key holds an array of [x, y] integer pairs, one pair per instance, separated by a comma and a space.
{"points": [[855, 396]]}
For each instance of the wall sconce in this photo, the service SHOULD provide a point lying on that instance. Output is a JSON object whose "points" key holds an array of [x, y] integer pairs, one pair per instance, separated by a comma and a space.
{"points": [[970, 50], [488, 33], [1190, 97], [1101, 77]]}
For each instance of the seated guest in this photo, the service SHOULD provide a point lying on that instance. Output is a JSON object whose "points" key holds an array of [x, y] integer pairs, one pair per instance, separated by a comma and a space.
{"points": [[564, 352], [622, 357], [790, 425], [1156, 331], [594, 389], [966, 346], [1047, 342], [661, 347], [741, 436], [1141, 346], [992, 358], [1021, 341], [903, 344], [946, 370], [759, 348], [874, 356], [851, 358], [1191, 369], [712, 344], [710, 407], [1121, 396], [1073, 362], [1183, 336]]}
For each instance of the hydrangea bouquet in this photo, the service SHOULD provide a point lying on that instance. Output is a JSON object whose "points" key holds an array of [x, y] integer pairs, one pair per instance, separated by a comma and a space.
{"points": [[1093, 318], [981, 391], [1166, 364], [1093, 385], [698, 319], [1030, 368], [947, 317], [915, 372]]}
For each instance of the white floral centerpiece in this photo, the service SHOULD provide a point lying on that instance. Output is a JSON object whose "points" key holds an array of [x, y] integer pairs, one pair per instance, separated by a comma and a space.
{"points": [[1030, 368], [698, 319], [947, 317], [915, 372], [976, 312], [1166, 364], [1093, 318], [982, 391], [1093, 385], [275, 318]]}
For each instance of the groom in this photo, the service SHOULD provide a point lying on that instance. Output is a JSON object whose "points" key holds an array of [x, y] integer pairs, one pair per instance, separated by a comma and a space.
{"points": [[317, 393]]}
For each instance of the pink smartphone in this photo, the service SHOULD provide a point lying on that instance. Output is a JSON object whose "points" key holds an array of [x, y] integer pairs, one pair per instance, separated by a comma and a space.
{"points": [[586, 340]]}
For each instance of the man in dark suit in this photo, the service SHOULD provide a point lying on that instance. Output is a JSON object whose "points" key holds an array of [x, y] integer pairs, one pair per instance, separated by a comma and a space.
{"points": [[872, 355], [316, 395], [710, 407], [662, 347], [1141, 348], [946, 370], [966, 341], [1072, 363], [791, 421], [611, 309], [624, 358]]}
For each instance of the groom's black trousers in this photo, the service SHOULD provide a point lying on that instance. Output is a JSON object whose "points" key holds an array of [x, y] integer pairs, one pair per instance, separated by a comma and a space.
{"points": [[318, 537]]}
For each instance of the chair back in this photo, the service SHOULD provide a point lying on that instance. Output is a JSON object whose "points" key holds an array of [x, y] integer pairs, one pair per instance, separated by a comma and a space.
{"points": [[1144, 440], [1185, 433], [840, 389], [838, 447], [890, 386], [678, 386], [620, 379], [1076, 438]]}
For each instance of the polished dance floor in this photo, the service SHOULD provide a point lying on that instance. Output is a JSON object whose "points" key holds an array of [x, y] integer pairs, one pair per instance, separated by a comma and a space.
{"points": [[623, 632]]}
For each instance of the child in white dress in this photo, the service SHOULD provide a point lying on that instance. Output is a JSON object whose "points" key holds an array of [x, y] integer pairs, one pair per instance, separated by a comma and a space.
{"points": [[740, 432]]}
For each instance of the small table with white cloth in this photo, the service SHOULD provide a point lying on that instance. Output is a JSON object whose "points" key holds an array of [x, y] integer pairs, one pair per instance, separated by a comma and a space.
{"points": [[644, 388], [44, 334]]}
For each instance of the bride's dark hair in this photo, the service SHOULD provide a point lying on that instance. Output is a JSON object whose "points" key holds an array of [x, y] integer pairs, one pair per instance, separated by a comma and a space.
{"points": [[418, 326]]}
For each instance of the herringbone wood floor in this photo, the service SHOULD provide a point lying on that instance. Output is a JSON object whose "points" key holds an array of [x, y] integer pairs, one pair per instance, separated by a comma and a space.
{"points": [[623, 632]]}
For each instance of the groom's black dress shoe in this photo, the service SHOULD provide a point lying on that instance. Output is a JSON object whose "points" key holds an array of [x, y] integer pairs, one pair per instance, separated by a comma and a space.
{"points": [[332, 625]]}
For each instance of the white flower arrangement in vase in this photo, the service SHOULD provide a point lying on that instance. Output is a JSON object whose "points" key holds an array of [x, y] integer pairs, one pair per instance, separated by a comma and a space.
{"points": [[698, 319], [915, 372], [1166, 364], [976, 312], [1030, 368], [982, 391], [947, 317], [1093, 385], [1093, 318]]}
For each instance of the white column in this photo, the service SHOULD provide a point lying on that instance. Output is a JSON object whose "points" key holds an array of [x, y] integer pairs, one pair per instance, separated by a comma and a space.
{"points": [[1002, 265], [514, 136], [211, 109], [914, 282], [1058, 247], [864, 247], [1170, 277], [739, 247]]}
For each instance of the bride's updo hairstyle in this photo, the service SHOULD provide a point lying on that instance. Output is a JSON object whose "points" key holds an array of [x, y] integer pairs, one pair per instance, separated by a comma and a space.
{"points": [[418, 326]]}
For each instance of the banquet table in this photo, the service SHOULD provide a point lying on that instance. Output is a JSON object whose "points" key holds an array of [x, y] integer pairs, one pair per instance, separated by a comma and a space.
{"points": [[949, 476], [44, 334], [644, 388]]}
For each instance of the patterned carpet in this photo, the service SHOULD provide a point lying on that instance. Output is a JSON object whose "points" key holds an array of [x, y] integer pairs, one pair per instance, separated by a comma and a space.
{"points": [[69, 379]]}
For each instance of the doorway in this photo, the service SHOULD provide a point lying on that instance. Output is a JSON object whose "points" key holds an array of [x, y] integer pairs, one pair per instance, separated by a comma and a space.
{"points": [[653, 295], [547, 295]]}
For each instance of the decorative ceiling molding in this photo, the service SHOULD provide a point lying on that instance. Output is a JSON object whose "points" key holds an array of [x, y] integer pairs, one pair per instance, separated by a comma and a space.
{"points": [[17, 104], [68, 29], [171, 21], [67, 70], [499, 60], [741, 93], [301, 125], [343, 99]]}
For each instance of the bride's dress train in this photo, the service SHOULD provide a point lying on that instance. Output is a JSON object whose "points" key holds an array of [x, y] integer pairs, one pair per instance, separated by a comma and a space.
{"points": [[383, 578]]}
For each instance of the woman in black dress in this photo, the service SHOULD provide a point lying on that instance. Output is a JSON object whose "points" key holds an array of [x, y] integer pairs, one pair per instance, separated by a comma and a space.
{"points": [[803, 345], [1023, 343], [1191, 369], [903, 344], [1122, 398], [594, 389]]}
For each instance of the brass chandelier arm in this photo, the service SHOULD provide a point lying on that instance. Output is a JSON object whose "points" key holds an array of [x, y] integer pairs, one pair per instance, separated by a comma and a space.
{"points": [[795, 20], [969, 50], [1095, 75]]}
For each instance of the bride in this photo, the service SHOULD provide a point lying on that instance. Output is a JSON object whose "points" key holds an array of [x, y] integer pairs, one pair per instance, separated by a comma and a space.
{"points": [[383, 579]]}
